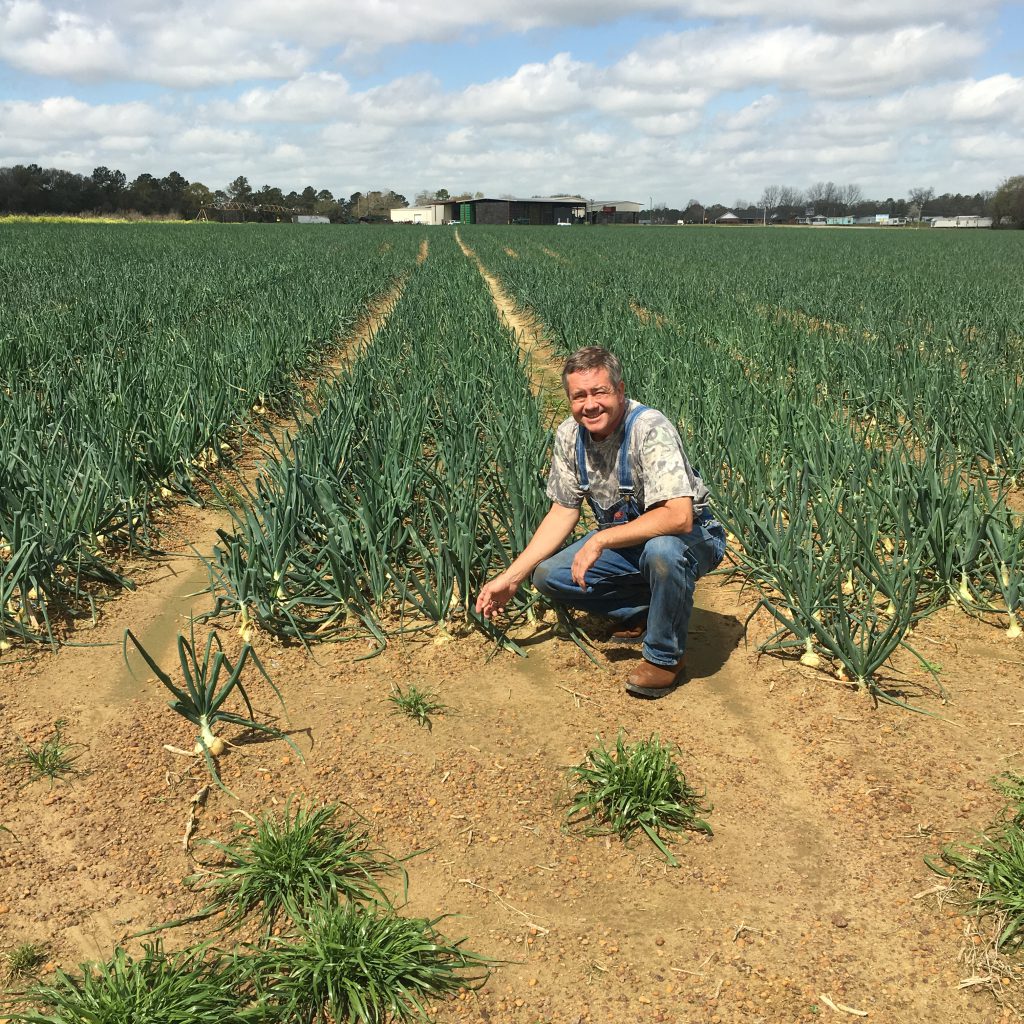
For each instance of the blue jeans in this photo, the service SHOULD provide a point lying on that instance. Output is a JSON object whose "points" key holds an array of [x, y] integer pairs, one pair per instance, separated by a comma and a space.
{"points": [[656, 579]]}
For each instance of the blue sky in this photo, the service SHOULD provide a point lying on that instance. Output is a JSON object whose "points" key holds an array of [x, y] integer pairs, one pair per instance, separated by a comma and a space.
{"points": [[675, 99]]}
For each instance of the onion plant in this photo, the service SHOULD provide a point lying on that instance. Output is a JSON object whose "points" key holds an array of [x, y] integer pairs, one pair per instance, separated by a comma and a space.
{"points": [[209, 679], [129, 360]]}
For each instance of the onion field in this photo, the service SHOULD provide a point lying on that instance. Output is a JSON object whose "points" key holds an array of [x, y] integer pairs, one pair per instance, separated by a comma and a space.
{"points": [[310, 446], [128, 363], [853, 401]]}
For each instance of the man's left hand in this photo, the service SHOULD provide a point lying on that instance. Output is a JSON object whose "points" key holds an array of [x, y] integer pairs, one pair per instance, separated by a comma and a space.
{"points": [[584, 560]]}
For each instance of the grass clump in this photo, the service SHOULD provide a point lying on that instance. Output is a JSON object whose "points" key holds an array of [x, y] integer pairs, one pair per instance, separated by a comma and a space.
{"points": [[190, 987], [24, 961], [988, 876], [417, 704], [632, 789], [286, 865], [355, 964], [52, 759]]}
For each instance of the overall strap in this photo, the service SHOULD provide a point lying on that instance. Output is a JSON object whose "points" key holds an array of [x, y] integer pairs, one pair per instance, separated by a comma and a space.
{"points": [[581, 460], [625, 473]]}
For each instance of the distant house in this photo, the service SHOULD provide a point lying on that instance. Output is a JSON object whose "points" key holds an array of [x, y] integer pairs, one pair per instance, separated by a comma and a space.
{"points": [[972, 220], [309, 218], [727, 218]]}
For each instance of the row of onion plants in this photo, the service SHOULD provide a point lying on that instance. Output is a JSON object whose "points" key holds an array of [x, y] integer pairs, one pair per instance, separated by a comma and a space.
{"points": [[421, 472], [129, 356], [861, 441]]}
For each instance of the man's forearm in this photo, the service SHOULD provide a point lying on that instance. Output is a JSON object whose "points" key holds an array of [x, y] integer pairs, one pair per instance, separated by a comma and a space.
{"points": [[548, 538], [674, 517]]}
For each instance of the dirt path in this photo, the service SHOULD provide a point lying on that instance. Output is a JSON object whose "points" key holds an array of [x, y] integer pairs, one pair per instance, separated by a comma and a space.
{"points": [[545, 364]]}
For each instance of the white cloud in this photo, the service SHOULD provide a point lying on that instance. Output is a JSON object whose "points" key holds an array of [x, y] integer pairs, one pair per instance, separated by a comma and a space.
{"points": [[64, 118], [186, 49], [798, 59], [314, 96], [535, 90], [62, 43]]}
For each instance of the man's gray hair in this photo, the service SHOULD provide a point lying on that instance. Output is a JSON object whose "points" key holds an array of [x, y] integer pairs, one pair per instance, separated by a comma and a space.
{"points": [[593, 357]]}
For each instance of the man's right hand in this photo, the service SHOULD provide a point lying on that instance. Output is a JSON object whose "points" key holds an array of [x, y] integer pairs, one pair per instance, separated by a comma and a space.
{"points": [[495, 595]]}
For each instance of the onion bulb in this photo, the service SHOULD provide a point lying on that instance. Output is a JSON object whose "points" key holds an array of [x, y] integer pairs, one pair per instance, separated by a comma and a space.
{"points": [[215, 745], [809, 657]]}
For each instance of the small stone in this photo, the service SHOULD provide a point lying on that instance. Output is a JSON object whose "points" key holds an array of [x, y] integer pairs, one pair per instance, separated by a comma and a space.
{"points": [[839, 921], [659, 941]]}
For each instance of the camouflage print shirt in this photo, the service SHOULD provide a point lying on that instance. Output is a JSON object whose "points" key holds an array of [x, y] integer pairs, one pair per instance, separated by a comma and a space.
{"points": [[660, 467]]}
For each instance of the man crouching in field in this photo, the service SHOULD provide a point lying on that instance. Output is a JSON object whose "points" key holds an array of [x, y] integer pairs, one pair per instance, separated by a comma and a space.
{"points": [[655, 535]]}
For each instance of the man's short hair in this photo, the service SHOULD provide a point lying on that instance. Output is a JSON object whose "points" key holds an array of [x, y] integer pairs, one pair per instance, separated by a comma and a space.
{"points": [[593, 357]]}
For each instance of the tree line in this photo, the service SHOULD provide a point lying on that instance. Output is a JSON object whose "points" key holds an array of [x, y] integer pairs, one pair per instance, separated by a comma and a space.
{"points": [[785, 203], [31, 189]]}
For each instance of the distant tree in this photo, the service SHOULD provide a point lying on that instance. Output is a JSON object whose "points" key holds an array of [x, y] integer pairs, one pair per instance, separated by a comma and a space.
{"points": [[693, 213], [194, 198], [919, 198], [239, 191], [109, 189], [769, 201], [268, 195], [145, 195], [441, 195], [850, 196], [173, 188], [308, 198], [1007, 205]]}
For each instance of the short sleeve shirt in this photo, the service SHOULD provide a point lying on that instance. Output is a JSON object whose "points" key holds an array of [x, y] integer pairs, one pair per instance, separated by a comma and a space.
{"points": [[660, 467]]}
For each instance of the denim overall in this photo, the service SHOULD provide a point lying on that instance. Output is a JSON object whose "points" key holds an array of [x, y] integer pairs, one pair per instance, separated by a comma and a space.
{"points": [[654, 579]]}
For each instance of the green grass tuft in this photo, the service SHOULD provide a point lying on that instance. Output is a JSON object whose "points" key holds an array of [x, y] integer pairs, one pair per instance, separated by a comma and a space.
{"points": [[632, 789], [988, 876], [357, 964], [24, 961], [416, 703], [190, 987], [52, 759], [285, 865]]}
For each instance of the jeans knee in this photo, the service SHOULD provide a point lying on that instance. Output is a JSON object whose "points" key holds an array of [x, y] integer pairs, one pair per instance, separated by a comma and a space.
{"points": [[663, 556], [541, 579]]}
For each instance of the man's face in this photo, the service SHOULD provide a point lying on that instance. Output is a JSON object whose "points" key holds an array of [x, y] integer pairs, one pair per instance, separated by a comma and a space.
{"points": [[596, 404]]}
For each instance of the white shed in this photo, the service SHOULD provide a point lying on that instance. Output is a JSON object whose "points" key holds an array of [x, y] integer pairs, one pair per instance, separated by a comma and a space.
{"points": [[433, 214]]}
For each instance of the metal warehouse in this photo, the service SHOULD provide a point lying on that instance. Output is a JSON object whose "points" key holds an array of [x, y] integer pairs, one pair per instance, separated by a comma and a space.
{"points": [[556, 210]]}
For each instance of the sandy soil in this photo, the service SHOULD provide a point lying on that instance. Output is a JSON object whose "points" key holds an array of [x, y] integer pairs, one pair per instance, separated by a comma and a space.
{"points": [[813, 886]]}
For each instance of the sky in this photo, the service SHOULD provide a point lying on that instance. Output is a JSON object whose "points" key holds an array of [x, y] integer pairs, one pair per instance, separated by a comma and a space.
{"points": [[636, 99]]}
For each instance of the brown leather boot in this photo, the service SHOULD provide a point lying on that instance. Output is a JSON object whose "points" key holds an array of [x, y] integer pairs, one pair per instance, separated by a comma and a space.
{"points": [[654, 681], [630, 634]]}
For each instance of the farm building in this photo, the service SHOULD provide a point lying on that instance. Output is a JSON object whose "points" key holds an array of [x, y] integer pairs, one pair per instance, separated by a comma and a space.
{"points": [[432, 214], [553, 210], [618, 211], [964, 221], [310, 218]]}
